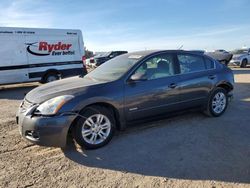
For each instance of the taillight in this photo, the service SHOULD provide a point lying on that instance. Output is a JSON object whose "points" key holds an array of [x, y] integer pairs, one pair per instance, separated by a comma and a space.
{"points": [[92, 60], [84, 60]]}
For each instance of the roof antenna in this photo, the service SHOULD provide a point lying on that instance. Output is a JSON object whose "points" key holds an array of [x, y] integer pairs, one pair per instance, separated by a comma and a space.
{"points": [[180, 47]]}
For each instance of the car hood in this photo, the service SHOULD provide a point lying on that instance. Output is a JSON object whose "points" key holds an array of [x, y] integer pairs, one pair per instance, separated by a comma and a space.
{"points": [[68, 86], [238, 56]]}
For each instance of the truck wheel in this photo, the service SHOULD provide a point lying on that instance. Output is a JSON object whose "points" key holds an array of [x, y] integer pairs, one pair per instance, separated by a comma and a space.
{"points": [[217, 103], [95, 128], [50, 77], [244, 63]]}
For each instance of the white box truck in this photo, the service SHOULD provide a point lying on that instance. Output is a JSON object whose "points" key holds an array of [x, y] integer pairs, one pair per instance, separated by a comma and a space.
{"points": [[45, 55]]}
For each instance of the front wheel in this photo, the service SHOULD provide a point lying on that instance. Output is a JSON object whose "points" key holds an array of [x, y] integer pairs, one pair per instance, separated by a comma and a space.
{"points": [[95, 128], [244, 63], [217, 103]]}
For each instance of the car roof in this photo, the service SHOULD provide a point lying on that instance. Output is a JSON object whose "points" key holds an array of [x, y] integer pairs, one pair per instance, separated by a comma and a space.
{"points": [[119, 51], [151, 52], [143, 54]]}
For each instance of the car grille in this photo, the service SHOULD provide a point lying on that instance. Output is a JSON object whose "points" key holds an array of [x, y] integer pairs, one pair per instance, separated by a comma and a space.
{"points": [[25, 105]]}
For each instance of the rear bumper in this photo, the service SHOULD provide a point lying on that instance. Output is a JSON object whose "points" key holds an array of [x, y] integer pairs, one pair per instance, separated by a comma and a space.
{"points": [[45, 131]]}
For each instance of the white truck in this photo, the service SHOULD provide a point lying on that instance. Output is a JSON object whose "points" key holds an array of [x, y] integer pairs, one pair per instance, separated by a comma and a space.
{"points": [[45, 55]]}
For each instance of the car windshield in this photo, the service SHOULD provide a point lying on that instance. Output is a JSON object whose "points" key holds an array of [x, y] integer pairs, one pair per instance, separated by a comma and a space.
{"points": [[220, 51], [241, 51], [100, 54], [105, 54], [114, 68]]}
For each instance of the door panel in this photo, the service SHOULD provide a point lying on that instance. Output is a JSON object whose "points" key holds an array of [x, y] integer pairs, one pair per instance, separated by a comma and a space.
{"points": [[195, 80], [149, 98], [156, 95], [194, 88]]}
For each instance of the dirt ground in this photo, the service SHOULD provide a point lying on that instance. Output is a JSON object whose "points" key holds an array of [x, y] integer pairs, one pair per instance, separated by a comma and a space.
{"points": [[190, 150]]}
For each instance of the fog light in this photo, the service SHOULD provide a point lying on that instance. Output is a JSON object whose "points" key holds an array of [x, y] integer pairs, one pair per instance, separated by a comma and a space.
{"points": [[32, 134]]}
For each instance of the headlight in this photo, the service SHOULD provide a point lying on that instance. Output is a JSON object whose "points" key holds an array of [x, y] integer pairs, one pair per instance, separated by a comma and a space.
{"points": [[52, 106]]}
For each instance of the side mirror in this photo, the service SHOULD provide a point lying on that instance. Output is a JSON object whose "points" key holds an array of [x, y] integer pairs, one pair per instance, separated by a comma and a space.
{"points": [[138, 77]]}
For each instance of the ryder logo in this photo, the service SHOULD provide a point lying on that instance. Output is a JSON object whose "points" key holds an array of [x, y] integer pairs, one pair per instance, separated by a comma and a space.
{"points": [[45, 48]]}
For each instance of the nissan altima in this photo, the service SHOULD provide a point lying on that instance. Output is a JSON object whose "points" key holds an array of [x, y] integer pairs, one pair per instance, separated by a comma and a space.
{"points": [[131, 87]]}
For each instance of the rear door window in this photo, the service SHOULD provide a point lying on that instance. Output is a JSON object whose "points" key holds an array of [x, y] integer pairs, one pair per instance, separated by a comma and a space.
{"points": [[190, 63], [209, 63]]}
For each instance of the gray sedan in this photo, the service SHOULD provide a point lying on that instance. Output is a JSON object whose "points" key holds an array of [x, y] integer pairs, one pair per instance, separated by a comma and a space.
{"points": [[220, 55], [131, 87], [241, 57]]}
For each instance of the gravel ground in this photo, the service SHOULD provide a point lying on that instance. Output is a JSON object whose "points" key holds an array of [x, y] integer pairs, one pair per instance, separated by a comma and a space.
{"points": [[190, 150]]}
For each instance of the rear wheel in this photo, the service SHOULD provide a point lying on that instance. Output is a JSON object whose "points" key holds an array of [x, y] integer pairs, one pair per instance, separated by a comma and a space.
{"points": [[50, 77], [244, 63], [95, 128], [217, 103]]}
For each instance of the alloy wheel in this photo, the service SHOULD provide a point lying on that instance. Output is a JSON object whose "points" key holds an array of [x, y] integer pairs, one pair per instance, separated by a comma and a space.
{"points": [[96, 129], [219, 103]]}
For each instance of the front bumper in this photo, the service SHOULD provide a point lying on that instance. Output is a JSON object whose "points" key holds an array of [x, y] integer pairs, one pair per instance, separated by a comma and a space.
{"points": [[44, 131], [235, 62]]}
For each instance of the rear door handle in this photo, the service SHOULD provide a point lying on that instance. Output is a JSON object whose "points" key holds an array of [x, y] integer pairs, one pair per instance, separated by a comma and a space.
{"points": [[173, 85], [211, 77]]}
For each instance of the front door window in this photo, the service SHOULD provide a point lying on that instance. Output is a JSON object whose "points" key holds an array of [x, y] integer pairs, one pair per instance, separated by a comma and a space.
{"points": [[157, 67]]}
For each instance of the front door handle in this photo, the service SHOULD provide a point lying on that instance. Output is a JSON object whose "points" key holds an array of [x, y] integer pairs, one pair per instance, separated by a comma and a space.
{"points": [[211, 77], [173, 85]]}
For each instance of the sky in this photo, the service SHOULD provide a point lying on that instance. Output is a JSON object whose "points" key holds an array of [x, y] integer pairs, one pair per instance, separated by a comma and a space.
{"points": [[138, 25]]}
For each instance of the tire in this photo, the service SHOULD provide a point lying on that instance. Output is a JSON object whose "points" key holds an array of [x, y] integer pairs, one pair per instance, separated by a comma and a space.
{"points": [[244, 63], [217, 104], [50, 77], [97, 133]]}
